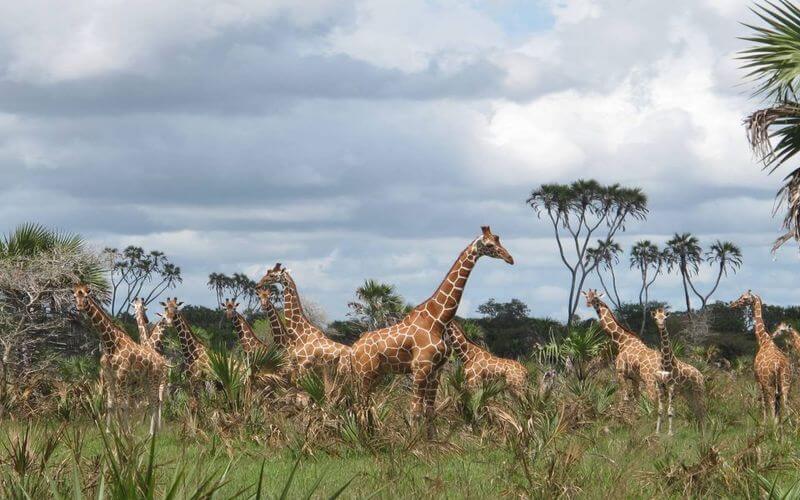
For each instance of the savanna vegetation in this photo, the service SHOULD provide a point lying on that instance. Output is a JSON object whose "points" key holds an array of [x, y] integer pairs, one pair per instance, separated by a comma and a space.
{"points": [[255, 435]]}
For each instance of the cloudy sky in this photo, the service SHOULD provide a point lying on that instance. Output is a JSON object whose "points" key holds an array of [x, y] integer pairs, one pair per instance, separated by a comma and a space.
{"points": [[371, 139]]}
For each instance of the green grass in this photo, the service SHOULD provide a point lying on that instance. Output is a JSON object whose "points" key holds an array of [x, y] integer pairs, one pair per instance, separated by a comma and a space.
{"points": [[581, 442]]}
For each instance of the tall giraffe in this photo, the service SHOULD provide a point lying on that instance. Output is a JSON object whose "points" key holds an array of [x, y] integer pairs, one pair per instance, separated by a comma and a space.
{"points": [[125, 365], [142, 323], [196, 366], [311, 346], [247, 337], [280, 334], [666, 374], [416, 345], [772, 370], [480, 365], [638, 364]]}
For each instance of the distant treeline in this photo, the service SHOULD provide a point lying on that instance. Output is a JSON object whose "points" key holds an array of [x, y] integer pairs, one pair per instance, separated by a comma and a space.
{"points": [[508, 330]]}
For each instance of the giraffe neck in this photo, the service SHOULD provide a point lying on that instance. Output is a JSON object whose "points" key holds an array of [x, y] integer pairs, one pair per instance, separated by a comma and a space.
{"points": [[155, 340], [141, 323], [247, 337], [110, 334], [611, 326], [666, 348], [764, 339], [279, 332], [190, 346], [448, 295], [462, 347], [795, 340], [296, 319]]}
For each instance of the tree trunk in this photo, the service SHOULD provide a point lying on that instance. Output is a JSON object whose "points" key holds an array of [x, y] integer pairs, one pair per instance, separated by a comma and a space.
{"points": [[686, 290]]}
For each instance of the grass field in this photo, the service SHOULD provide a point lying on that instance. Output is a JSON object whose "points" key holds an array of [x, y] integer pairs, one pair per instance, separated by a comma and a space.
{"points": [[579, 441]]}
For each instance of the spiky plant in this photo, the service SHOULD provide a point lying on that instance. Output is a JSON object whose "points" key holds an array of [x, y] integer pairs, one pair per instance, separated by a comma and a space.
{"points": [[232, 374]]}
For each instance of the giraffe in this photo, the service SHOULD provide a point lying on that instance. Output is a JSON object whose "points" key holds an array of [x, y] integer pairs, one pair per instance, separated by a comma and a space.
{"points": [[794, 335], [772, 370], [637, 364], [416, 344], [196, 366], [311, 347], [142, 323], [480, 365], [156, 336], [247, 337], [280, 334], [666, 376], [124, 363]]}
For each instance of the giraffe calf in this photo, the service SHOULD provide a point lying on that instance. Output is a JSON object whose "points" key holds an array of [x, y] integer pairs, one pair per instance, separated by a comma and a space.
{"points": [[481, 366]]}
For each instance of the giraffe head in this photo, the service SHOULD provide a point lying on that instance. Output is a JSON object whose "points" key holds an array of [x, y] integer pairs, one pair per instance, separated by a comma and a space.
{"points": [[660, 316], [230, 308], [745, 299], [138, 305], [782, 328], [489, 244], [82, 294], [171, 308], [276, 275], [593, 297]]}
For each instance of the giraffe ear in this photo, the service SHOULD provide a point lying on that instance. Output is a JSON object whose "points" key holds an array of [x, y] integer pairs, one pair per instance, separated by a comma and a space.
{"points": [[180, 304], [159, 315], [600, 295], [163, 304]]}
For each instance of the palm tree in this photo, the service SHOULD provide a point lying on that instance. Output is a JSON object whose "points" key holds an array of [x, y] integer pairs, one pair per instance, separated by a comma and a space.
{"points": [[31, 239], [646, 257], [684, 254], [728, 257], [377, 305], [604, 257], [774, 64]]}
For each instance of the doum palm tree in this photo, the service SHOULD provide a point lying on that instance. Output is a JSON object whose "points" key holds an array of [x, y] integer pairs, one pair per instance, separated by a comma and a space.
{"points": [[684, 255], [773, 63], [604, 257], [648, 259], [727, 257]]}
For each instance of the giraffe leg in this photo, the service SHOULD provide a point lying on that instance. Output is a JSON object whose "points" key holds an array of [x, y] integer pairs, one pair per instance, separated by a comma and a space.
{"points": [[670, 409], [785, 386], [661, 397], [421, 379], [769, 402], [156, 402], [431, 388], [624, 384], [651, 388], [107, 383]]}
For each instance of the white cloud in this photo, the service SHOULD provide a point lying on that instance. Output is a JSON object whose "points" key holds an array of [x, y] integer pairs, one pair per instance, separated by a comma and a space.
{"points": [[410, 35]]}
